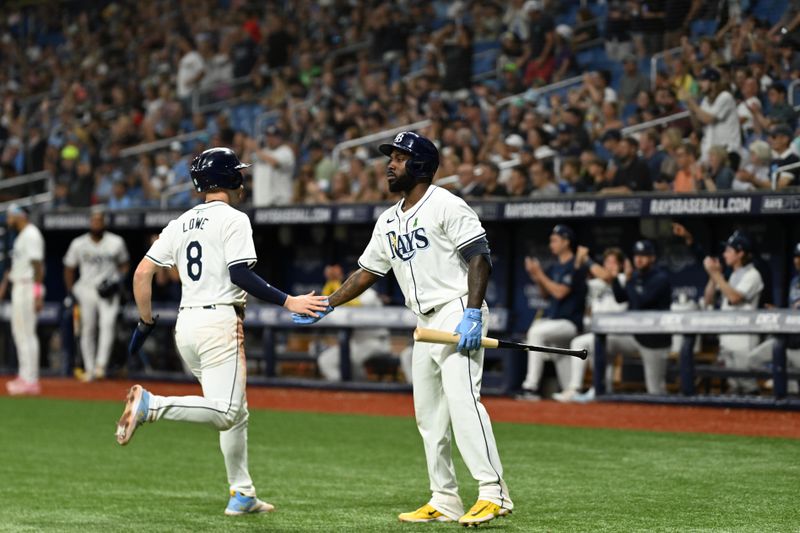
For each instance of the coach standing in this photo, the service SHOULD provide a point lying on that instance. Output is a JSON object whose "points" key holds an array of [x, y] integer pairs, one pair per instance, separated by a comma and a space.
{"points": [[648, 288], [27, 298], [102, 258]]}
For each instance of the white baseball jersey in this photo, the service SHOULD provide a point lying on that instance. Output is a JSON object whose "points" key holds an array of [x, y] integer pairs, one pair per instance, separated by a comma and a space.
{"points": [[28, 246], [203, 242], [747, 282], [600, 296], [422, 246], [98, 260]]}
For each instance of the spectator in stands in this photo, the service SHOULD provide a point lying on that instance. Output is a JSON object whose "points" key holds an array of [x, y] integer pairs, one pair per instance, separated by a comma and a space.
{"points": [[564, 286], [191, 68], [632, 174], [761, 355], [596, 87], [538, 58], [519, 184], [489, 186], [750, 102], [650, 154], [671, 140], [652, 25], [716, 173], [689, 172], [566, 143], [600, 299], [741, 291], [780, 111], [783, 154], [667, 104], [467, 184], [544, 183], [611, 140], [595, 178], [676, 21], [755, 172], [585, 27], [787, 62], [570, 175], [564, 64], [682, 82], [306, 190], [608, 118], [575, 117], [119, 196], [644, 109], [618, 38], [455, 44], [324, 168], [632, 82], [717, 114], [273, 169], [647, 287]]}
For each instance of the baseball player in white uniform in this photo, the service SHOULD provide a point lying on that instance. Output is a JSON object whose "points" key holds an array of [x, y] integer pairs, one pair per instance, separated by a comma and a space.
{"points": [[102, 258], [438, 251], [212, 246], [27, 298], [740, 292], [600, 299]]}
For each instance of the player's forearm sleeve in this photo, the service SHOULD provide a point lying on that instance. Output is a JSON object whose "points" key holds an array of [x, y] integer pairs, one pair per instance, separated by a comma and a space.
{"points": [[246, 279]]}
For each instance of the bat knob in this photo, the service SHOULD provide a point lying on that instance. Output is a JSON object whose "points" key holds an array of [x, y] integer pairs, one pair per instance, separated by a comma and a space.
{"points": [[584, 353]]}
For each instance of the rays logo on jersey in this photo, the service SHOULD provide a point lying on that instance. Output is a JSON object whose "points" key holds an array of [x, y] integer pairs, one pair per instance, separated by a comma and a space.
{"points": [[405, 246]]}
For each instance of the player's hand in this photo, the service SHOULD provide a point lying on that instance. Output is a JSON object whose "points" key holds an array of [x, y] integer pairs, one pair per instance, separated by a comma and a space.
{"points": [[581, 255], [307, 304], [471, 330], [628, 269], [140, 334]]}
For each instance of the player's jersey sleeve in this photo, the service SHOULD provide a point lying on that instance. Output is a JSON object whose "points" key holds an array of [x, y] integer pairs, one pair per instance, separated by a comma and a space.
{"points": [[37, 246], [374, 258], [237, 242], [162, 251], [71, 257], [750, 286], [461, 224]]}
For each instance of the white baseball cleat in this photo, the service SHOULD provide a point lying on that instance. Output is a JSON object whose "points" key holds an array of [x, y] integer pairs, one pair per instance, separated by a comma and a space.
{"points": [[135, 414]]}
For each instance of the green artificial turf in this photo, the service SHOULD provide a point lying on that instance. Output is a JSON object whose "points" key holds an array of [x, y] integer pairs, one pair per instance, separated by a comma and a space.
{"points": [[61, 470]]}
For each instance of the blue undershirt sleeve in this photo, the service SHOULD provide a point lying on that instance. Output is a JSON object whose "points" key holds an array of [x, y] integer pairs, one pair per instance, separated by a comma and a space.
{"points": [[252, 283]]}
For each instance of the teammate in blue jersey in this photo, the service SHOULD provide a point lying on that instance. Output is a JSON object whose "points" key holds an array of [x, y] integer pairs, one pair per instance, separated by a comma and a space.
{"points": [[564, 285]]}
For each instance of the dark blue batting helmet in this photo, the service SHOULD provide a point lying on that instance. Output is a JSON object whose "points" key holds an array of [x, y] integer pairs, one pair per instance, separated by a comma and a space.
{"points": [[424, 154], [217, 168]]}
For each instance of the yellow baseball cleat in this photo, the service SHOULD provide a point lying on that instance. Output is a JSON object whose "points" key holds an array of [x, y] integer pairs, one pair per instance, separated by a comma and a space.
{"points": [[426, 513], [482, 511]]}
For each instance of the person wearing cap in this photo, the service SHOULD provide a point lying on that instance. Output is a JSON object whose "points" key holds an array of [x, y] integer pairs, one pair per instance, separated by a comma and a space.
{"points": [[783, 154], [273, 169], [647, 288], [740, 292], [761, 355], [102, 259], [26, 276], [564, 286], [717, 113]]}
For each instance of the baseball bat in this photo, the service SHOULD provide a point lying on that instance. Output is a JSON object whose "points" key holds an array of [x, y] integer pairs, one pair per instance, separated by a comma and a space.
{"points": [[437, 336]]}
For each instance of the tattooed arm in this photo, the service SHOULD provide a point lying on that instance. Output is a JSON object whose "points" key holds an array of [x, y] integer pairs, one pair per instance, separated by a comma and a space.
{"points": [[358, 282]]}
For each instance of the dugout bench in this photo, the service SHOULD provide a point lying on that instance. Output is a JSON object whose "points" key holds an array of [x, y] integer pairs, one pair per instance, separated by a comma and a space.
{"points": [[779, 323]]}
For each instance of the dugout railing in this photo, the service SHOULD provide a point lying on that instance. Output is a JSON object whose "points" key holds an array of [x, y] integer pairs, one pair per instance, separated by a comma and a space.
{"points": [[779, 323]]}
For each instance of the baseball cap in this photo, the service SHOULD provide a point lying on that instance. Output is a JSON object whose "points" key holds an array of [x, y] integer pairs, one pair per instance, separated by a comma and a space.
{"points": [[562, 230], [532, 5], [644, 247], [15, 209], [564, 31], [739, 242], [781, 129], [515, 140], [611, 135], [777, 86], [710, 74]]}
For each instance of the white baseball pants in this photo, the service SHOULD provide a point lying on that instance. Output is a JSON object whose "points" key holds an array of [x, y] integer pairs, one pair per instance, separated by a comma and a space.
{"points": [[549, 332], [211, 342], [23, 330], [96, 348], [447, 388]]}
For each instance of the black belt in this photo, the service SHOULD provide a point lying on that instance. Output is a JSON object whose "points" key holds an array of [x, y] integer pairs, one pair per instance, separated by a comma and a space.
{"points": [[237, 308], [195, 307]]}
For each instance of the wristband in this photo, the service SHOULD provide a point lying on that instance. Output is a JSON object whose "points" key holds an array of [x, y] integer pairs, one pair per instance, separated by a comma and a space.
{"points": [[38, 290]]}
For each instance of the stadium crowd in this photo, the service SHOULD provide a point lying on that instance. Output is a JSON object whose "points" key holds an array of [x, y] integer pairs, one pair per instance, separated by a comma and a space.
{"points": [[80, 87]]}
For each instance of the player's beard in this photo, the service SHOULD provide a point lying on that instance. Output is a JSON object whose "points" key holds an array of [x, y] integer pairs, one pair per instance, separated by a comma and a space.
{"points": [[402, 183], [97, 234]]}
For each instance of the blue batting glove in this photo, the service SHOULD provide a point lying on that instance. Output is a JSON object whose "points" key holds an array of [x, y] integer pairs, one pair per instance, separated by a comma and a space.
{"points": [[470, 328], [140, 334], [305, 320]]}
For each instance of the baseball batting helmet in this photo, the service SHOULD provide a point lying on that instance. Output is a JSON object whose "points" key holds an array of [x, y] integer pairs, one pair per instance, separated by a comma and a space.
{"points": [[424, 154], [217, 168]]}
